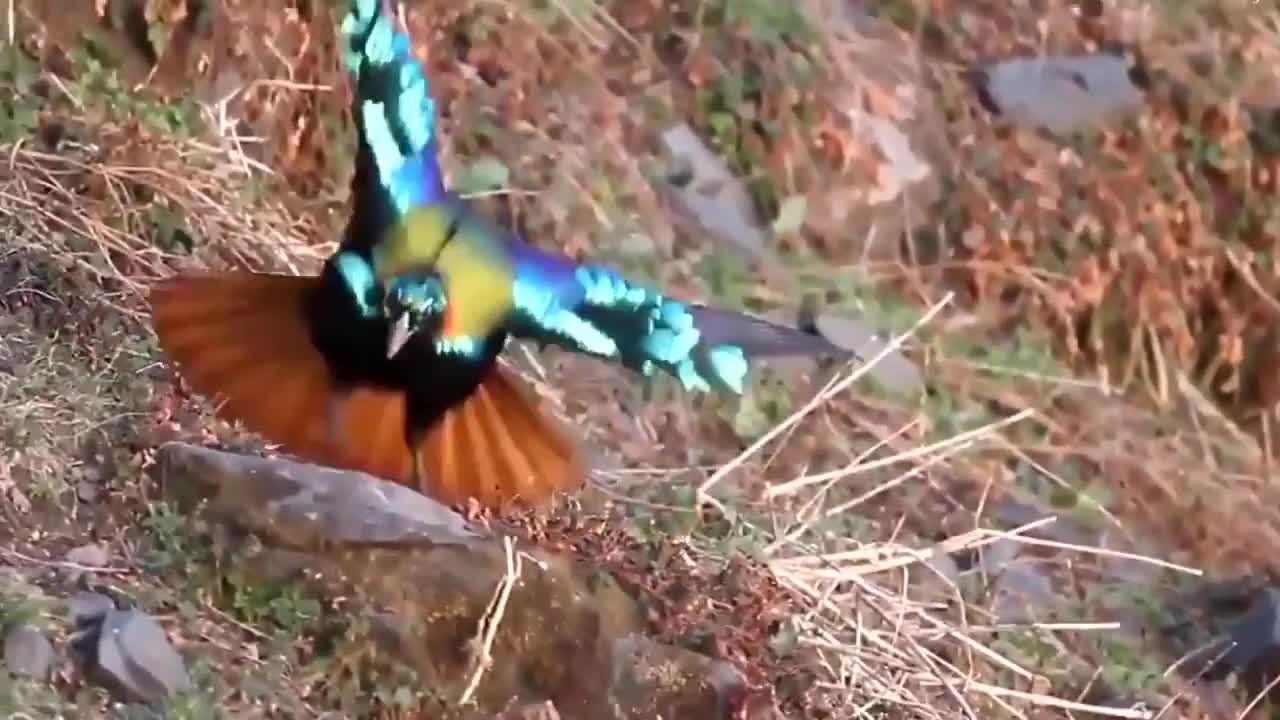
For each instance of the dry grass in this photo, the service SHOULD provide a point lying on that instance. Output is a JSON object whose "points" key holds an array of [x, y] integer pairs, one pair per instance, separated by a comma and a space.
{"points": [[831, 555]]}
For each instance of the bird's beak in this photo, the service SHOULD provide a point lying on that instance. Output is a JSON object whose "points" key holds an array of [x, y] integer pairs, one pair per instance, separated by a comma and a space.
{"points": [[398, 335]]}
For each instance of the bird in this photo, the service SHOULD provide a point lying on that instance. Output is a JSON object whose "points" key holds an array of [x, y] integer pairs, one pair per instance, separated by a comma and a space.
{"points": [[387, 360]]}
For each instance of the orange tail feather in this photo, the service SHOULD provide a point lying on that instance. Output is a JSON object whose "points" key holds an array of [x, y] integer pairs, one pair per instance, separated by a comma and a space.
{"points": [[242, 339], [496, 447]]}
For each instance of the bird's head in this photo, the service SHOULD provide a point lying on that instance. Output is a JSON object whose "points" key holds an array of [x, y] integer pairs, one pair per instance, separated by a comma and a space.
{"points": [[414, 302], [404, 263]]}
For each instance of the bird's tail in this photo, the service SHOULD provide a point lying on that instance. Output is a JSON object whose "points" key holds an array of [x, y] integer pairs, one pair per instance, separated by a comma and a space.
{"points": [[242, 340], [396, 164], [497, 446]]}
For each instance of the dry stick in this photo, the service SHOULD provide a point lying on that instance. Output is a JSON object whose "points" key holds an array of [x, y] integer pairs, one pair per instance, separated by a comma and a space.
{"points": [[64, 564], [1109, 553], [873, 638], [1205, 407], [960, 439], [492, 617], [969, 540], [802, 525], [955, 633], [800, 529], [892, 649], [1051, 701], [966, 541], [1052, 626], [1057, 479], [932, 664], [1199, 674], [902, 478], [891, 347], [950, 631]]}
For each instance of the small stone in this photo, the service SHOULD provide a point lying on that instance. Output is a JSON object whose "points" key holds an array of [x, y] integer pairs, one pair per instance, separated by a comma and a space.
{"points": [[88, 491], [1022, 594], [87, 607], [91, 555], [945, 565], [997, 556], [27, 652], [134, 650], [895, 371], [21, 503]]}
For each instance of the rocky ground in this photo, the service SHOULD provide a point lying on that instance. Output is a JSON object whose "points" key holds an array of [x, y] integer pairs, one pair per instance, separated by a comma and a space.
{"points": [[1052, 498]]}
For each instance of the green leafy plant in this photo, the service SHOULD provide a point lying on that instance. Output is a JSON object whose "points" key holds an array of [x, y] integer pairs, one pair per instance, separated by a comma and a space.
{"points": [[19, 108]]}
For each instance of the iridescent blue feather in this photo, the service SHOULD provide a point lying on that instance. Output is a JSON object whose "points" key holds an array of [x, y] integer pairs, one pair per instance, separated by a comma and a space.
{"points": [[703, 347], [394, 112]]}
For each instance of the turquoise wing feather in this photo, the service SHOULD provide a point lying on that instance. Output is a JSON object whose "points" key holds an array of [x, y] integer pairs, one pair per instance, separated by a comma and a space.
{"points": [[397, 164], [595, 310], [397, 167]]}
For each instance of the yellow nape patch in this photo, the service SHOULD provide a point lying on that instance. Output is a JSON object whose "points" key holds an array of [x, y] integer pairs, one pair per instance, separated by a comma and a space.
{"points": [[478, 280], [413, 243], [472, 263]]}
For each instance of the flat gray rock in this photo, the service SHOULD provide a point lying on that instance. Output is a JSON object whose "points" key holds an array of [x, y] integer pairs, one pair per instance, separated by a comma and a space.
{"points": [[709, 193], [134, 651], [430, 577], [91, 555], [125, 651], [306, 504], [27, 652], [88, 607], [1023, 593], [1062, 93], [895, 372]]}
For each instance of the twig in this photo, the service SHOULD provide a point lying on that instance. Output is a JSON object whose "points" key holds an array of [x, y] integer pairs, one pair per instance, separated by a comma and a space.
{"points": [[488, 626], [1072, 626], [1251, 280], [893, 346], [238, 623], [1108, 553], [1051, 701], [64, 564], [963, 438], [802, 525]]}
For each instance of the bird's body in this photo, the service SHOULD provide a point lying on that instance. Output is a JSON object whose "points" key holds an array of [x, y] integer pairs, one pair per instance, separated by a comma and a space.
{"points": [[387, 360]]}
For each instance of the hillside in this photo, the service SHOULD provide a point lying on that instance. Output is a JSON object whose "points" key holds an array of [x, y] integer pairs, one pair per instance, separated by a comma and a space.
{"points": [[1053, 489]]}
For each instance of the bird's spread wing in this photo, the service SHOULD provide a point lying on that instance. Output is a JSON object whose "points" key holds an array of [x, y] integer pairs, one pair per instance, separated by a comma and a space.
{"points": [[397, 167], [241, 339], [595, 310]]}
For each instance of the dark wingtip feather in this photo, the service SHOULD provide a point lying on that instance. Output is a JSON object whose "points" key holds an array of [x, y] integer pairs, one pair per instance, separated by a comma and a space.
{"points": [[759, 337]]}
